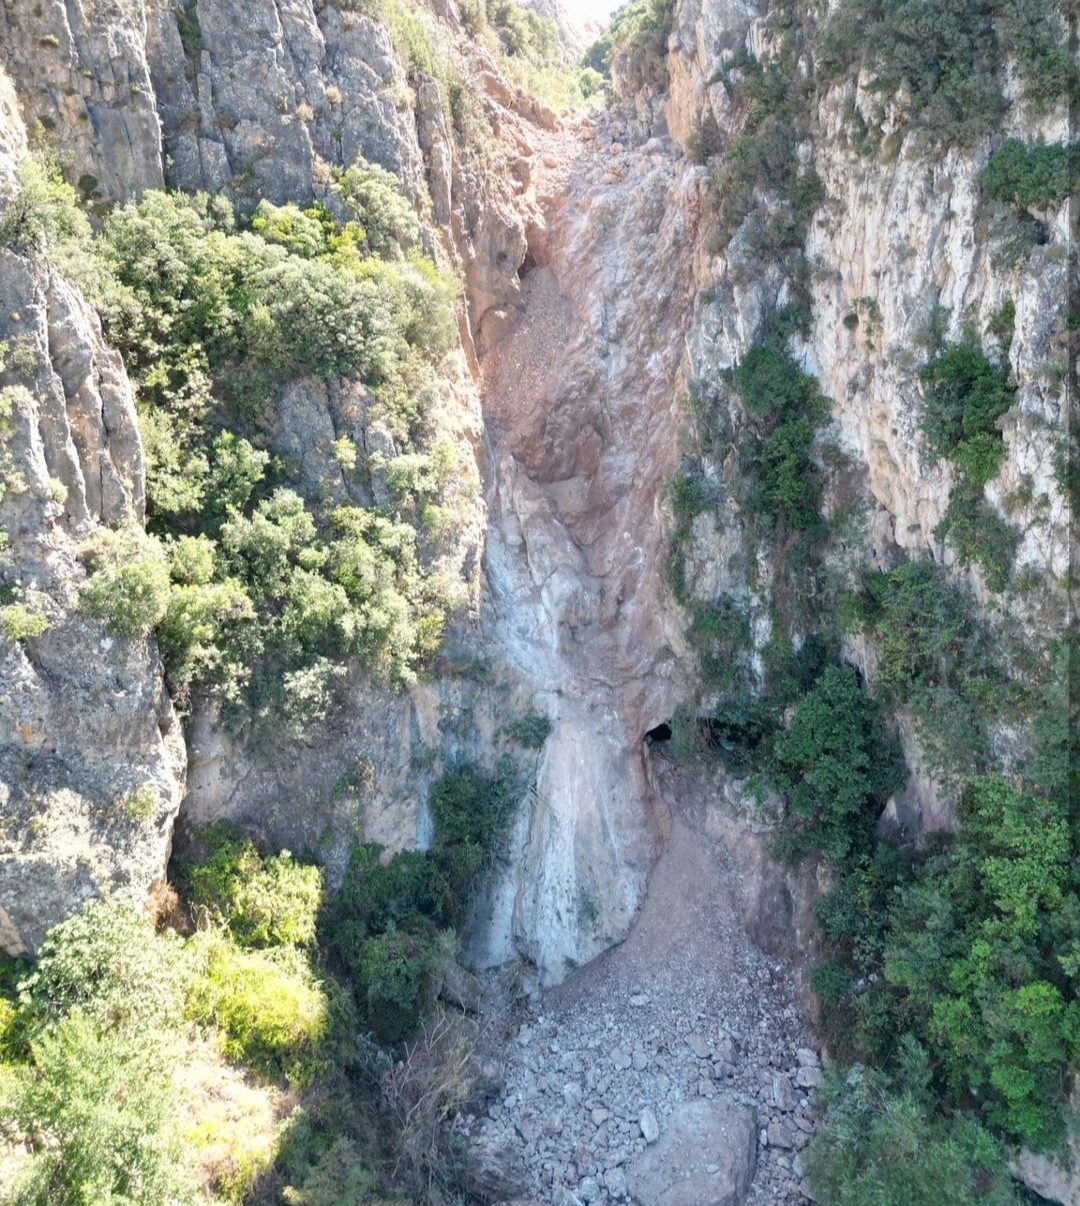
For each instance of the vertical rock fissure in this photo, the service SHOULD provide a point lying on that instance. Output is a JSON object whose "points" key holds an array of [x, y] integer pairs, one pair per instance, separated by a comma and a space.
{"points": [[579, 398]]}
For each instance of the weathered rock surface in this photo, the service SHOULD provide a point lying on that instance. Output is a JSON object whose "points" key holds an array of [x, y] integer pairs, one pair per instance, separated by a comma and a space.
{"points": [[13, 141], [580, 402], [1054, 1175], [81, 73], [92, 757], [267, 91], [705, 1157]]}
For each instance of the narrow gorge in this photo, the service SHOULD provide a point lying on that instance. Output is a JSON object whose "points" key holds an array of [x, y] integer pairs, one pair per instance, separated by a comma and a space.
{"points": [[535, 592]]}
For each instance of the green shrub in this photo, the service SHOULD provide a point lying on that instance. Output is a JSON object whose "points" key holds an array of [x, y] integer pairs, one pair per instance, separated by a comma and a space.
{"points": [[838, 766], [529, 731], [965, 395], [263, 900], [383, 928], [187, 23], [952, 734], [39, 212], [524, 33], [768, 382], [105, 1101], [271, 1011], [979, 535], [788, 408], [18, 622], [1002, 323], [973, 947], [945, 55], [305, 233], [882, 1144], [719, 633], [388, 925], [395, 976], [924, 625], [639, 33], [400, 893], [1029, 177], [207, 637], [375, 200], [689, 496], [128, 588], [107, 963], [471, 808], [790, 486], [339, 1178]]}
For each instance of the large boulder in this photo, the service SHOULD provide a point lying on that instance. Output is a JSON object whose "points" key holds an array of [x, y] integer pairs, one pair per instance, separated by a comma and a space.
{"points": [[705, 1156]]}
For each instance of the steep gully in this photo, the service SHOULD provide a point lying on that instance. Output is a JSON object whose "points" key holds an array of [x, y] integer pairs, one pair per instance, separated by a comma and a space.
{"points": [[580, 399], [581, 422]]}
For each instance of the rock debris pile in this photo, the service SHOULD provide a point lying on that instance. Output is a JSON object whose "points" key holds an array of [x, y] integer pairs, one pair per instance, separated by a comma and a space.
{"points": [[674, 1071]]}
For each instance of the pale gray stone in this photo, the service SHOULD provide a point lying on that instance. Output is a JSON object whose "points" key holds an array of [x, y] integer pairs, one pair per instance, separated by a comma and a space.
{"points": [[673, 1171], [650, 1129]]}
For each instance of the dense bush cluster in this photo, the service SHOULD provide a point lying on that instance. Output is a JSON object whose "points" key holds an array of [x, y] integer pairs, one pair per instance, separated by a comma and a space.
{"points": [[787, 408], [966, 394], [39, 210], [263, 901], [90, 1044], [99, 1037], [970, 949], [1029, 177], [780, 501], [523, 32], [638, 34], [883, 1143], [837, 766], [527, 48], [941, 64], [259, 595], [389, 926]]}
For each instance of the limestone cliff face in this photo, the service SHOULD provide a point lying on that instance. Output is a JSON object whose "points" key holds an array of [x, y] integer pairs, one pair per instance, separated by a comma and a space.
{"points": [[83, 81], [892, 241], [593, 302], [255, 97], [92, 757], [263, 101], [895, 238], [252, 101], [580, 402]]}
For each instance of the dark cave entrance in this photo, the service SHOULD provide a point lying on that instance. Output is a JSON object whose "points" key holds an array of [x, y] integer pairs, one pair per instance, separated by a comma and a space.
{"points": [[659, 734]]}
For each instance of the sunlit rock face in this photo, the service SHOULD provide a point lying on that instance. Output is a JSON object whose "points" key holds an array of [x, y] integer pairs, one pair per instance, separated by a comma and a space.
{"points": [[92, 759], [594, 302]]}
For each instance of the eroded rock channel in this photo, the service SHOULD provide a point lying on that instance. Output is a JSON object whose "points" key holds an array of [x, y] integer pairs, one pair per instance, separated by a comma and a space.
{"points": [[676, 1067]]}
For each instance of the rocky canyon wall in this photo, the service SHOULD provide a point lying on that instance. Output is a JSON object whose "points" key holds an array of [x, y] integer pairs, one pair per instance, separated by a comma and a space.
{"points": [[562, 617], [92, 755], [897, 240], [595, 301]]}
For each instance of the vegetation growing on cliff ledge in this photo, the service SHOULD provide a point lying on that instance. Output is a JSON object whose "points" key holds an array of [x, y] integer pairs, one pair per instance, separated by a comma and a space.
{"points": [[940, 65], [950, 989], [100, 1039], [263, 590]]}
